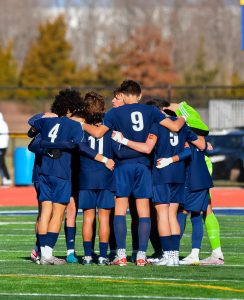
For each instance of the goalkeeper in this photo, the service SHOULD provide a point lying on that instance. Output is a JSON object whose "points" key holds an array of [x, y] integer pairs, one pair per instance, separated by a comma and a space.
{"points": [[193, 120]]}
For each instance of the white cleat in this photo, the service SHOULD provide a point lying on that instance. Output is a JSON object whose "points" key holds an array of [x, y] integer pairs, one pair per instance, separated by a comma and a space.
{"points": [[190, 260], [212, 260]]}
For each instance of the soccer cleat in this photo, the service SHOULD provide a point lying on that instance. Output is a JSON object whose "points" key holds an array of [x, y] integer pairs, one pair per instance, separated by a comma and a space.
{"points": [[71, 258], [176, 258], [87, 260], [6, 181], [52, 261], [190, 260], [155, 257], [103, 261], [112, 255], [141, 262], [35, 257], [161, 261], [211, 260], [119, 261]]}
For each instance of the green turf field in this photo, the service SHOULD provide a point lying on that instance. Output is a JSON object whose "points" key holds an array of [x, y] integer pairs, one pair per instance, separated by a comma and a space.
{"points": [[22, 279]]}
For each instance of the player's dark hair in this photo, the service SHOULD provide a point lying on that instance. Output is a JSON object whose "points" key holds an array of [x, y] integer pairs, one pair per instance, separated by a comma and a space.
{"points": [[130, 87], [117, 91], [92, 108], [67, 100]]}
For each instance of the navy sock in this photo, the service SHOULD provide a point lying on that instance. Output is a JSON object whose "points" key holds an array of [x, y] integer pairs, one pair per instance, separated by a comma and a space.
{"points": [[144, 229], [103, 247], [87, 248], [197, 230], [51, 239], [175, 238], [166, 242], [42, 239], [112, 240], [181, 217], [70, 237], [120, 231], [38, 243]]}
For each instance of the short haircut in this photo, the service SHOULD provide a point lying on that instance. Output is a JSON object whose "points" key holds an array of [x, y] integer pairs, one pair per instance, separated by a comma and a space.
{"points": [[130, 87], [117, 91], [67, 100]]}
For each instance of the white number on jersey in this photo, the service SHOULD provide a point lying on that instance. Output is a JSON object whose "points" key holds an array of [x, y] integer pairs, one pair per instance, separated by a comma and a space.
{"points": [[137, 120], [93, 141], [173, 138], [53, 133]]}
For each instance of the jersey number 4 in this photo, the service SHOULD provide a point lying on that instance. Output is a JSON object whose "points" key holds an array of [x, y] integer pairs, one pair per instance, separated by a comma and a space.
{"points": [[53, 133]]}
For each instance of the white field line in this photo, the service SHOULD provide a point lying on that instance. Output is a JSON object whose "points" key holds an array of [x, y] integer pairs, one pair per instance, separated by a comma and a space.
{"points": [[107, 296], [120, 278]]}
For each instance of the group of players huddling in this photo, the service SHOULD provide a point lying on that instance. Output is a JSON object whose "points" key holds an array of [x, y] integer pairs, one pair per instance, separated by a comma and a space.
{"points": [[145, 154]]}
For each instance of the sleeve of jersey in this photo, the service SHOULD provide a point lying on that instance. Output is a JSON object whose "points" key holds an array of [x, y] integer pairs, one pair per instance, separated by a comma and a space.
{"points": [[108, 119], [123, 152], [193, 118], [32, 120], [154, 129], [35, 147], [85, 148], [158, 116], [191, 136], [58, 145]]}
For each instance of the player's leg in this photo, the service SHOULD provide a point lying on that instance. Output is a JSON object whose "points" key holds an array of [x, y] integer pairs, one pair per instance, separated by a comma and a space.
{"points": [[181, 218], [104, 231], [175, 231], [112, 240], [87, 234], [144, 228], [53, 230], [212, 227], [120, 230], [42, 226], [36, 251], [70, 230], [154, 235], [134, 227], [164, 233]]}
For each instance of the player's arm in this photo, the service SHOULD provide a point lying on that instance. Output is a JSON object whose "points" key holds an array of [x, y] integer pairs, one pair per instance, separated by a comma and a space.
{"points": [[91, 153], [183, 155], [173, 125], [140, 147], [96, 131]]}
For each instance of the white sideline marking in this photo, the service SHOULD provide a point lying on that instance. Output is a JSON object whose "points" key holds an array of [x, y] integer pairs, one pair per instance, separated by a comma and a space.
{"points": [[124, 277], [107, 296], [17, 223]]}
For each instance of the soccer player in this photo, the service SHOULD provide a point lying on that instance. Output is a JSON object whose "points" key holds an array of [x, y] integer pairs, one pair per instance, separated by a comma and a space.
{"points": [[168, 180], [132, 175], [55, 174], [96, 185], [193, 119]]}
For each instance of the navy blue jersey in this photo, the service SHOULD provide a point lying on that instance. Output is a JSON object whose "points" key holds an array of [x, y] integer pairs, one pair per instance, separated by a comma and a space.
{"points": [[198, 176], [170, 144], [34, 146], [93, 174], [58, 130], [134, 121]]}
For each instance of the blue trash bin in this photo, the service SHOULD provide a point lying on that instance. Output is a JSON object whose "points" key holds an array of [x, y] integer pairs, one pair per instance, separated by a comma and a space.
{"points": [[23, 166]]}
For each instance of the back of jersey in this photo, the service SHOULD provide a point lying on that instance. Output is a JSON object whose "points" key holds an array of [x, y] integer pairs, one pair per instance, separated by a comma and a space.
{"points": [[133, 120], [58, 130], [93, 174], [169, 144]]}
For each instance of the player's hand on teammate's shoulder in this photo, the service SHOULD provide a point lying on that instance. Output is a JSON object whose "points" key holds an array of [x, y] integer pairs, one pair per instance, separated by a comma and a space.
{"points": [[117, 136], [110, 164], [164, 162]]}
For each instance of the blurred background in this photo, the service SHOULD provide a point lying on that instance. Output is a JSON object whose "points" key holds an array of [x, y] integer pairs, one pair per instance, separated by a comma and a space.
{"points": [[181, 50]]}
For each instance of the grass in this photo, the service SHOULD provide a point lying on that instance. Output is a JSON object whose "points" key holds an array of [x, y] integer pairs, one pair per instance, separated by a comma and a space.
{"points": [[22, 279]]}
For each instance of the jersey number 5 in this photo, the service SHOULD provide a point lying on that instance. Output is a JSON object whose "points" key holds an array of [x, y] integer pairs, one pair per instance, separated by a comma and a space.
{"points": [[173, 138], [53, 133], [137, 120]]}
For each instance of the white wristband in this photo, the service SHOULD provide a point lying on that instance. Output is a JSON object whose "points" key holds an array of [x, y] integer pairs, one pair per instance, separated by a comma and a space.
{"points": [[104, 160], [124, 141]]}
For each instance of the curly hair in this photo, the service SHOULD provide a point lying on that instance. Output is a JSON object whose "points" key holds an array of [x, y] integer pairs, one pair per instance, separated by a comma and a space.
{"points": [[67, 100], [92, 108]]}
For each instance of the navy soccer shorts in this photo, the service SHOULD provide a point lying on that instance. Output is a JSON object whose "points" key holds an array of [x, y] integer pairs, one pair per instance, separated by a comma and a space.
{"points": [[89, 199], [196, 201], [168, 193]]}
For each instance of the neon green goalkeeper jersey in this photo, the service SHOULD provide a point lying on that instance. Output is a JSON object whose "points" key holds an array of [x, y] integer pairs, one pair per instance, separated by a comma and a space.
{"points": [[193, 119]]}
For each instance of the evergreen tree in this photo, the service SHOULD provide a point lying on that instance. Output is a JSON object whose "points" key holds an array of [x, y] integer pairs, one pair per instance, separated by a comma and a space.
{"points": [[8, 74], [48, 60]]}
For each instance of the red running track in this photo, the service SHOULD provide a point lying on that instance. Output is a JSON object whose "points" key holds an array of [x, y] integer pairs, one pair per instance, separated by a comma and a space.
{"points": [[26, 196]]}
